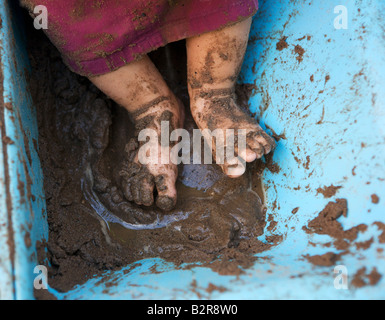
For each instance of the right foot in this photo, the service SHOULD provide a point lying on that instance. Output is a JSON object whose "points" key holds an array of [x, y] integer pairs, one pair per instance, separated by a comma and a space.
{"points": [[138, 180]]}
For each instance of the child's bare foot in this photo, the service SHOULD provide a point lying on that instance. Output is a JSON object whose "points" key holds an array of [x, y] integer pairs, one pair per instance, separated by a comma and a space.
{"points": [[218, 109], [140, 88], [214, 61], [139, 180]]}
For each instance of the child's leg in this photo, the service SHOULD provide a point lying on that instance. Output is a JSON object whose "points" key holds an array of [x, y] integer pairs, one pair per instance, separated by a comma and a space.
{"points": [[214, 62], [140, 89]]}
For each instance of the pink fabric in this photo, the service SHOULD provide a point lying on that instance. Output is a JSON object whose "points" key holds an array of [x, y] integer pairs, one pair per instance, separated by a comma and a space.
{"points": [[96, 37]]}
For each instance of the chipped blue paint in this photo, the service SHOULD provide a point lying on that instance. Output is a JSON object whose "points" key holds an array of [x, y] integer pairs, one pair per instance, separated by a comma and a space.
{"points": [[27, 224]]}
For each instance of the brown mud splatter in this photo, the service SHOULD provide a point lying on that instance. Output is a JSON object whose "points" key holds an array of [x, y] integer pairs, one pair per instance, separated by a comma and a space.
{"points": [[327, 223], [326, 260], [375, 198], [363, 279], [300, 52], [328, 192], [282, 44]]}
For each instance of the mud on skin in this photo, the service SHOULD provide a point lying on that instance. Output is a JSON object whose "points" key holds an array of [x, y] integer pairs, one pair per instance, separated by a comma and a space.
{"points": [[79, 126], [140, 180], [214, 105]]}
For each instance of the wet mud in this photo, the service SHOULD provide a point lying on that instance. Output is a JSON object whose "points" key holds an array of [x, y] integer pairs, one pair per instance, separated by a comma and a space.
{"points": [[85, 141]]}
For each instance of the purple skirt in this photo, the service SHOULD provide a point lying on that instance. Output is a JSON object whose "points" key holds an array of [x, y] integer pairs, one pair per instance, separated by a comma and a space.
{"points": [[97, 37]]}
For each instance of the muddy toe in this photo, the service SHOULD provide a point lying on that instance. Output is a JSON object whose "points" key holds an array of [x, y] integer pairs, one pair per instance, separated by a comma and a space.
{"points": [[165, 203]]}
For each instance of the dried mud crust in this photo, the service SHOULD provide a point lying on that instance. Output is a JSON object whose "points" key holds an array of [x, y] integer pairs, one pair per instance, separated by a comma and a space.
{"points": [[326, 223], [81, 130]]}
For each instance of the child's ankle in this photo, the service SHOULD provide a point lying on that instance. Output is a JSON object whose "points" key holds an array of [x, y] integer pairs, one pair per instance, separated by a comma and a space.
{"points": [[207, 92], [161, 109]]}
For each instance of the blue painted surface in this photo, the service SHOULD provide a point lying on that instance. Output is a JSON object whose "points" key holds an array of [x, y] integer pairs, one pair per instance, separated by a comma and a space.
{"points": [[335, 134], [24, 219]]}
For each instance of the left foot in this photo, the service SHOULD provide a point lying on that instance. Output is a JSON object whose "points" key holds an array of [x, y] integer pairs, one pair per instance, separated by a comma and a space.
{"points": [[217, 108]]}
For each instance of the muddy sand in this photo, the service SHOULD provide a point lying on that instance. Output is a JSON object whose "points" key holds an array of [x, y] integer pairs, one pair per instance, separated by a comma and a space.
{"points": [[83, 143]]}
